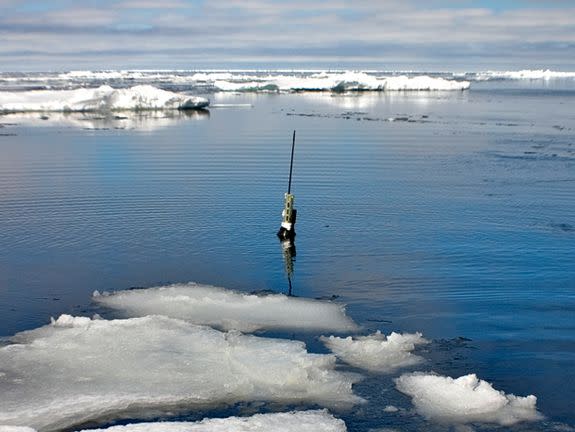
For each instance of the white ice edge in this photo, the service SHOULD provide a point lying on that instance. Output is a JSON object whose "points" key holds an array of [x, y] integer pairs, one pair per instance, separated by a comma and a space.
{"points": [[103, 98], [466, 399], [377, 352], [79, 369], [227, 309]]}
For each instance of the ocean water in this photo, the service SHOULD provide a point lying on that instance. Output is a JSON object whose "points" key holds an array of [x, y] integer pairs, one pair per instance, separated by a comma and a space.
{"points": [[449, 213]]}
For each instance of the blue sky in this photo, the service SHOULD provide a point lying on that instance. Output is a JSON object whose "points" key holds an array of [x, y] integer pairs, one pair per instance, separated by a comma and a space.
{"points": [[193, 34]]}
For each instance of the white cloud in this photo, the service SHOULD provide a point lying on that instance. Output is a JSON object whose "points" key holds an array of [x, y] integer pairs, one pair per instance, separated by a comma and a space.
{"points": [[286, 31], [151, 4]]}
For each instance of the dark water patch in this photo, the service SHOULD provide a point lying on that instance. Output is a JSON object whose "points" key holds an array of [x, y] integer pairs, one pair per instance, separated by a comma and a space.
{"points": [[362, 116], [564, 227], [535, 156]]}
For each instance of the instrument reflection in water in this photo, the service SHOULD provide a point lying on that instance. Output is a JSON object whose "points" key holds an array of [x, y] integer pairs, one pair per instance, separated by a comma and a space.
{"points": [[289, 254]]}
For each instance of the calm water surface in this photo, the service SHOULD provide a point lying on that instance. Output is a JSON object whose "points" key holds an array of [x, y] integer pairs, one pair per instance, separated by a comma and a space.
{"points": [[457, 220]]}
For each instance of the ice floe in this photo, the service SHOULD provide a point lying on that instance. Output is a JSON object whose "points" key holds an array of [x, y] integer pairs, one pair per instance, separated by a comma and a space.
{"points": [[226, 309], [78, 369], [297, 421], [466, 399], [340, 81], [103, 98], [377, 352]]}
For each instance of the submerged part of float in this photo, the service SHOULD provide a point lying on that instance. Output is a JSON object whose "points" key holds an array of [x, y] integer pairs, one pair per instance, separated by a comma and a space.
{"points": [[289, 213]]}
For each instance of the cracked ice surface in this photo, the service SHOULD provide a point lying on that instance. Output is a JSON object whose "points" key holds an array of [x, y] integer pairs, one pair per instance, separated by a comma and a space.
{"points": [[79, 369]]}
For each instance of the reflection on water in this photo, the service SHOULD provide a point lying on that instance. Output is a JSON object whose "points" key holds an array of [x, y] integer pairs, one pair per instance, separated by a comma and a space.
{"points": [[367, 100], [140, 120]]}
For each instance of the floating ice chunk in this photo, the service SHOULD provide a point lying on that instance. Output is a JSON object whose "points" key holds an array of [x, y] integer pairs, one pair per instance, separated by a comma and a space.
{"points": [[70, 321], [104, 98], [376, 352], [297, 421], [226, 309], [466, 399], [77, 370]]}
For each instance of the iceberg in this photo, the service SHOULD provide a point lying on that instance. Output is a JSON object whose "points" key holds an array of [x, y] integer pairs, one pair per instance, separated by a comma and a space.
{"points": [[79, 369], [227, 310], [296, 421], [103, 98], [466, 399], [376, 352]]}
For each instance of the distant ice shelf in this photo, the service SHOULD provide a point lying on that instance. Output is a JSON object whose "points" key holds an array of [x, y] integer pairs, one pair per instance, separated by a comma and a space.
{"points": [[526, 74], [103, 98]]}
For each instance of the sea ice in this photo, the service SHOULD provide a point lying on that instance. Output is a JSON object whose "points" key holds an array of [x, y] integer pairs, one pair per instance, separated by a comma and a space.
{"points": [[340, 81], [226, 309], [16, 429], [376, 352], [525, 74], [466, 399], [297, 421], [103, 98], [79, 369]]}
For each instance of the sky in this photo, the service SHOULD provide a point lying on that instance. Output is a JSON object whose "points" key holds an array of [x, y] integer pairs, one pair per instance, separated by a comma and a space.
{"points": [[422, 35]]}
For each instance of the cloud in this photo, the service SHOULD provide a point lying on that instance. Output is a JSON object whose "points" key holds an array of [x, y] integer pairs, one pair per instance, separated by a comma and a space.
{"points": [[151, 4], [274, 33]]}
